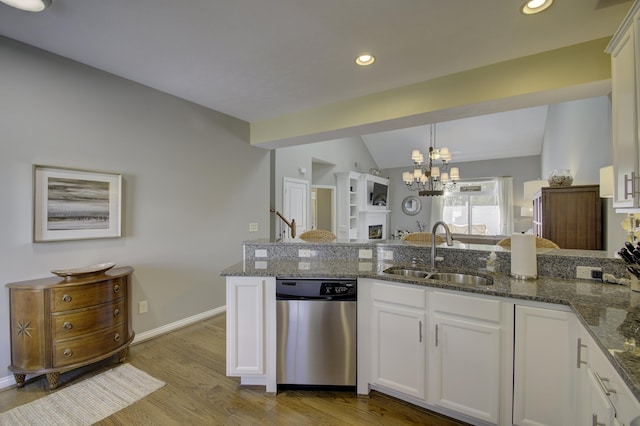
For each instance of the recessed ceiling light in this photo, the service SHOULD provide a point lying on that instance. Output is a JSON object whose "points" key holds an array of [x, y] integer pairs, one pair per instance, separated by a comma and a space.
{"points": [[365, 59], [29, 5], [535, 6]]}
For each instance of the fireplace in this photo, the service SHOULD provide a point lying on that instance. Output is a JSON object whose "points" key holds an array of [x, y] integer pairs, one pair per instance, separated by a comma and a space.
{"points": [[375, 232]]}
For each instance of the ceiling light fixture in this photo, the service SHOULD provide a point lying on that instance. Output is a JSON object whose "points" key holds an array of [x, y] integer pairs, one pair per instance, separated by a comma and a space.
{"points": [[365, 59], [430, 180], [29, 5], [535, 6]]}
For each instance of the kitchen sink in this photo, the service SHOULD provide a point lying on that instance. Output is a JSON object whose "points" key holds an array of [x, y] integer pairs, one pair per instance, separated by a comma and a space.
{"points": [[408, 272], [452, 277], [460, 278]]}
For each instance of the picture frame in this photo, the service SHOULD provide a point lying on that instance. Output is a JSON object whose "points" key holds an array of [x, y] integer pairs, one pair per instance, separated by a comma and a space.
{"points": [[75, 204]]}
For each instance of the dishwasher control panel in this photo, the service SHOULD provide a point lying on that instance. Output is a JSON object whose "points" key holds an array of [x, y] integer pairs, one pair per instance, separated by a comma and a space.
{"points": [[316, 288], [337, 288]]}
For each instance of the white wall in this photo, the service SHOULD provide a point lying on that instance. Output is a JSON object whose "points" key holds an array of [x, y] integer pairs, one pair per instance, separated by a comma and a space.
{"points": [[191, 183]]}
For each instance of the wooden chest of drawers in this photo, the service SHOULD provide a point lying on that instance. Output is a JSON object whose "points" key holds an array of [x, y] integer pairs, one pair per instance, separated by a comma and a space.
{"points": [[59, 324]]}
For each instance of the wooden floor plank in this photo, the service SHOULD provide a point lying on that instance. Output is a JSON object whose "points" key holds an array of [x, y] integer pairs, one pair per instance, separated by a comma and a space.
{"points": [[191, 361]]}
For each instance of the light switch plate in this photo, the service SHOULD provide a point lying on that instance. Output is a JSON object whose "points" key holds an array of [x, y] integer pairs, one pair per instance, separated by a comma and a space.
{"points": [[386, 254], [304, 253], [584, 272], [365, 253]]}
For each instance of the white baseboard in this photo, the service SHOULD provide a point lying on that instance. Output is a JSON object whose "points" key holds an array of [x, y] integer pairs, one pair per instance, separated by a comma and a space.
{"points": [[9, 381], [6, 382], [177, 325]]}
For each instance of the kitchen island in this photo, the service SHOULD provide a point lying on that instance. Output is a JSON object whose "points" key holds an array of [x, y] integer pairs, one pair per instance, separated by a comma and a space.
{"points": [[610, 314]]}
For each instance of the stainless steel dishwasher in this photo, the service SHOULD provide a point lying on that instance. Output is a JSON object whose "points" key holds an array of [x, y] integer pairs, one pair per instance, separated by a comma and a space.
{"points": [[316, 329]]}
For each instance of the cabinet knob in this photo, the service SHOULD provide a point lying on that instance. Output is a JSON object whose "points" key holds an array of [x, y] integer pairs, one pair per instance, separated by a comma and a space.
{"points": [[116, 338], [116, 288], [66, 298], [116, 312], [68, 352], [67, 325]]}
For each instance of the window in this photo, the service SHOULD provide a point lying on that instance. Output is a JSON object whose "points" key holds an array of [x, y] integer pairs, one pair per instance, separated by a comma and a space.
{"points": [[478, 207]]}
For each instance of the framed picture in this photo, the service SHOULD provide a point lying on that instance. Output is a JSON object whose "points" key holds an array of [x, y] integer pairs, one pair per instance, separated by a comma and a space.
{"points": [[73, 204]]}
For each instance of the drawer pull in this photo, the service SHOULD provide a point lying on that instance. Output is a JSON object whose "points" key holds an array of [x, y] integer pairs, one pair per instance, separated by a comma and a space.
{"points": [[580, 346], [601, 381], [66, 298], [67, 325], [116, 312], [595, 422], [68, 353], [116, 338], [116, 288]]}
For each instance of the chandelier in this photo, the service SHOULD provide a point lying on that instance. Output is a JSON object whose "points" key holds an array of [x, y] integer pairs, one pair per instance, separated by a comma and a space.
{"points": [[432, 178]]}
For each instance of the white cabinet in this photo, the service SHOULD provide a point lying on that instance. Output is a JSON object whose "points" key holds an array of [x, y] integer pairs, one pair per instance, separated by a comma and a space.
{"points": [[398, 341], [604, 397], [251, 330], [348, 195], [466, 356], [544, 365], [361, 206], [625, 69]]}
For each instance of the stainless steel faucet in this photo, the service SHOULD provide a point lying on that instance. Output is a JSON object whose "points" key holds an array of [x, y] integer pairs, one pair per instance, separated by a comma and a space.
{"points": [[433, 240]]}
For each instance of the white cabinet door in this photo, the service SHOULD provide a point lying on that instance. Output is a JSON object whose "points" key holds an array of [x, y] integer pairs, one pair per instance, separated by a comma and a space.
{"points": [[544, 365], [466, 355], [399, 348], [600, 412], [245, 326], [603, 393], [624, 118], [465, 369], [398, 338]]}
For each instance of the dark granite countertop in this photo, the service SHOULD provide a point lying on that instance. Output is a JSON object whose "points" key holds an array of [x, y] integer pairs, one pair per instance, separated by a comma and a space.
{"points": [[611, 313]]}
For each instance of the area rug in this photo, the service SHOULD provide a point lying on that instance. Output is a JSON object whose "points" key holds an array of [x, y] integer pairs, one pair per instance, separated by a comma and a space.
{"points": [[87, 402]]}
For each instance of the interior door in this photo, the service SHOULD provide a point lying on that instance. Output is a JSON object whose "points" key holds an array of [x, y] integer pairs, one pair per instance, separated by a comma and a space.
{"points": [[296, 204]]}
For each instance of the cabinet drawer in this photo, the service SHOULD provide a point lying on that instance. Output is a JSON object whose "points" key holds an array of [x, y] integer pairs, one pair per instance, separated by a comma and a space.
{"points": [[467, 306], [408, 296], [76, 297], [72, 324], [71, 351]]}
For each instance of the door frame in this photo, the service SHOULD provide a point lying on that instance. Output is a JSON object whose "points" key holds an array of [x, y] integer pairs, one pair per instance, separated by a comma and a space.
{"points": [[332, 188]]}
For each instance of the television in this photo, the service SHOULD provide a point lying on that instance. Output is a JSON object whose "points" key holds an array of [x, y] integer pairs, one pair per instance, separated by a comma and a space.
{"points": [[378, 197]]}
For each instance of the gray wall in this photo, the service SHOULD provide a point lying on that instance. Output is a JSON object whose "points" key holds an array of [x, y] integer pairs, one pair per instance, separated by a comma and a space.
{"points": [[521, 168], [320, 160], [578, 137], [191, 183]]}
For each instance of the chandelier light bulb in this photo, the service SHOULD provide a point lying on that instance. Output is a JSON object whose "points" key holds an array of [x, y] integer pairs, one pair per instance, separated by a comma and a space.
{"points": [[455, 174]]}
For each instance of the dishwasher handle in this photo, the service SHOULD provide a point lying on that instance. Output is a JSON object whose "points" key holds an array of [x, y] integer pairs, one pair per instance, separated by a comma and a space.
{"points": [[334, 298]]}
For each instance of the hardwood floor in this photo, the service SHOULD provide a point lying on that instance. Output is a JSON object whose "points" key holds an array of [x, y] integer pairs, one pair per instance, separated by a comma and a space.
{"points": [[191, 361]]}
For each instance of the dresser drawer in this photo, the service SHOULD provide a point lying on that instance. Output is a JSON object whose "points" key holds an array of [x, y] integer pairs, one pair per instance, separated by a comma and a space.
{"points": [[71, 351], [71, 324], [82, 296]]}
